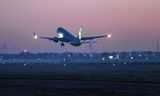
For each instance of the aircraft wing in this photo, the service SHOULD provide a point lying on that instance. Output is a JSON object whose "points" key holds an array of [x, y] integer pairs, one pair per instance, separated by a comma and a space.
{"points": [[49, 38], [55, 39], [94, 37]]}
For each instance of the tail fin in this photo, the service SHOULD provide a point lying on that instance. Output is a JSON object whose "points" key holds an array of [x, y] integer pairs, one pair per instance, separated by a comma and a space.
{"points": [[79, 36]]}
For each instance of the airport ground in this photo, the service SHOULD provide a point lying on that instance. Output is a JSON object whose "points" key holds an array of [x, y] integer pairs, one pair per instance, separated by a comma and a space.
{"points": [[130, 79]]}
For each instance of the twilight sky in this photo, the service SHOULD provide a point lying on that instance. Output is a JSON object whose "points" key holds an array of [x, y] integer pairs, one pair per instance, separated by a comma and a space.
{"points": [[135, 24]]}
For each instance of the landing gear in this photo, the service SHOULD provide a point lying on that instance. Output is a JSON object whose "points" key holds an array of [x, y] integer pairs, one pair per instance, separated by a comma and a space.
{"points": [[62, 44]]}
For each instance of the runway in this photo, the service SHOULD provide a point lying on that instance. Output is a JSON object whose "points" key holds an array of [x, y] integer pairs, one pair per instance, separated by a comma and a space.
{"points": [[80, 80], [30, 87]]}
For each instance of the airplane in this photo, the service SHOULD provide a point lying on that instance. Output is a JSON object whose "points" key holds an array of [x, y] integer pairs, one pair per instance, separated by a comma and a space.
{"points": [[65, 36]]}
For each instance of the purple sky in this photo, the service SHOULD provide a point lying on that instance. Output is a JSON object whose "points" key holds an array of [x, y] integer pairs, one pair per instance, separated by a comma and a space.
{"points": [[135, 24]]}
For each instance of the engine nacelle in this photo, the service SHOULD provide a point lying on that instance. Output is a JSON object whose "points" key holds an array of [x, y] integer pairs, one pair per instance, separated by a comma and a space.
{"points": [[55, 41]]}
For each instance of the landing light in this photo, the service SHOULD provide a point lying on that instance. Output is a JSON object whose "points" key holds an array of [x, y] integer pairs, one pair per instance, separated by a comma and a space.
{"points": [[35, 37], [109, 36], [60, 35]]}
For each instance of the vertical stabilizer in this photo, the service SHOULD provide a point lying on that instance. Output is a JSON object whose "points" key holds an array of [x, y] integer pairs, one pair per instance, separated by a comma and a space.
{"points": [[79, 36]]}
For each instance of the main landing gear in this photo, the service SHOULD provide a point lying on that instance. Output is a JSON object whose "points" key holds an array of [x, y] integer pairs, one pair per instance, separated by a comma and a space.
{"points": [[62, 44]]}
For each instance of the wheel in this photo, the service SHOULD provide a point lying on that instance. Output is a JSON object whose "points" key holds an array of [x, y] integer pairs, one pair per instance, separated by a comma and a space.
{"points": [[62, 44]]}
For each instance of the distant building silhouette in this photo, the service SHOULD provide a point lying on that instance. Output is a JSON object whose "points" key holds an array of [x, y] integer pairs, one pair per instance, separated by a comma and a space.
{"points": [[25, 52]]}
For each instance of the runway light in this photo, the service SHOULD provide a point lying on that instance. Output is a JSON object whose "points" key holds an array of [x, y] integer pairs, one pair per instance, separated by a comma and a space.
{"points": [[91, 55], [110, 57], [69, 55], [153, 54], [24, 64]]}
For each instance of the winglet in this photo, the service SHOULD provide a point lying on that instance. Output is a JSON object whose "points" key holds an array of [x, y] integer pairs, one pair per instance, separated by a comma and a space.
{"points": [[35, 36]]}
